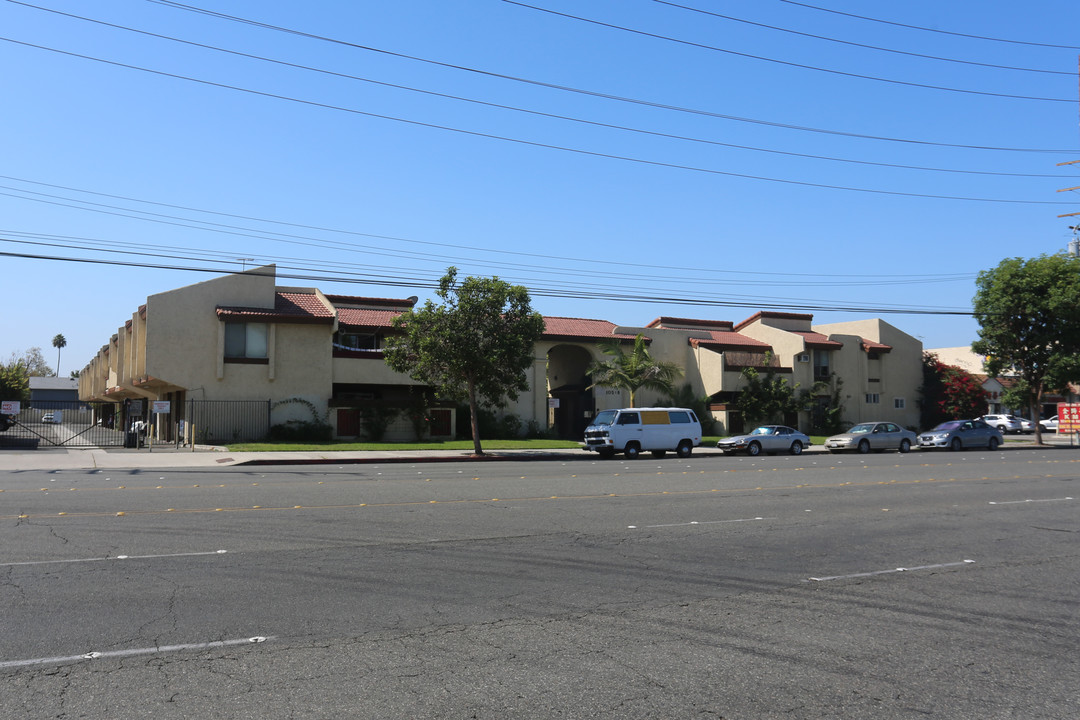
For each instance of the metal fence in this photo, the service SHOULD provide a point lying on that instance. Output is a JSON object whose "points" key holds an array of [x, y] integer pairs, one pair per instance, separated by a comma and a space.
{"points": [[219, 422], [61, 423]]}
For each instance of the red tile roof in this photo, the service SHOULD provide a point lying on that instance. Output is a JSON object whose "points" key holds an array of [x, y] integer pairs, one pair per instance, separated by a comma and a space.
{"points": [[562, 327], [869, 345], [357, 317], [730, 341], [817, 340], [288, 307]]}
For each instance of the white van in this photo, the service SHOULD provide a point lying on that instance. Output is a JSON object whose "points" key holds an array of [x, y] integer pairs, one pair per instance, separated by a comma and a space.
{"points": [[634, 430]]}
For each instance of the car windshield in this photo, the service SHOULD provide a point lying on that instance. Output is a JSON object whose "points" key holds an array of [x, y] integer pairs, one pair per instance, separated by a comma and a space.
{"points": [[764, 430], [604, 418], [862, 429], [948, 426]]}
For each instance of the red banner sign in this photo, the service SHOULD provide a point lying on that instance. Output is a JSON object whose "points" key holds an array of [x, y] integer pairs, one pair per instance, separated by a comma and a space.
{"points": [[1068, 417]]}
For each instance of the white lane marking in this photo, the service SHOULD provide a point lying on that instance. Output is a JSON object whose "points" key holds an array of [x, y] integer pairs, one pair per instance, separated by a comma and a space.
{"points": [[894, 570], [695, 522], [135, 651], [118, 557], [1021, 502]]}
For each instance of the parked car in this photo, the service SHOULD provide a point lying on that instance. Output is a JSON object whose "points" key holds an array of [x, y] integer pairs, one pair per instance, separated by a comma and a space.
{"points": [[959, 434], [766, 439], [632, 431], [868, 436], [1050, 425], [47, 418], [1026, 426], [6, 421], [1004, 423]]}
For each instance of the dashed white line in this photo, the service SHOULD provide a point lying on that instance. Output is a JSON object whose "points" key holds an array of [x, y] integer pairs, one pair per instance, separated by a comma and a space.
{"points": [[893, 570], [93, 655], [117, 557], [1021, 502], [695, 522]]}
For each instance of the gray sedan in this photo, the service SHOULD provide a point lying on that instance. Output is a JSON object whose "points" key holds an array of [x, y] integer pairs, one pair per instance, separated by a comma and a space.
{"points": [[868, 436], [766, 439], [959, 434]]}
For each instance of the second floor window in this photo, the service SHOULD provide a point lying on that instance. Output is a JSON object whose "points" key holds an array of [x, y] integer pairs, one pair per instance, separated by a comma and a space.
{"points": [[358, 341], [246, 340], [821, 364]]}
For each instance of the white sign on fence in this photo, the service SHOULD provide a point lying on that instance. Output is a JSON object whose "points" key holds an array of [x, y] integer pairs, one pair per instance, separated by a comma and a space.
{"points": [[161, 407], [9, 407]]}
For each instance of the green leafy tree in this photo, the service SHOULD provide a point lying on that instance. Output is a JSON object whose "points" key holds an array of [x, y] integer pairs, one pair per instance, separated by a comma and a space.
{"points": [[685, 397], [1029, 317], [59, 342], [634, 370], [476, 345], [769, 397], [15, 381], [948, 392]]}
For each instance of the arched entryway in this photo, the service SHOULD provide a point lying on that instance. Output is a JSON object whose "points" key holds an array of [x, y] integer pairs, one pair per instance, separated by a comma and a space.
{"points": [[567, 386]]}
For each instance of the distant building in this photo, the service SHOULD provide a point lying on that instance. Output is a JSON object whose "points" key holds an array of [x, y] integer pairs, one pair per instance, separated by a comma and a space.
{"points": [[53, 389]]}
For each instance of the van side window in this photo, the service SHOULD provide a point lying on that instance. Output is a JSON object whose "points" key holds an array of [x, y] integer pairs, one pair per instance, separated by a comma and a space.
{"points": [[679, 417], [629, 419]]}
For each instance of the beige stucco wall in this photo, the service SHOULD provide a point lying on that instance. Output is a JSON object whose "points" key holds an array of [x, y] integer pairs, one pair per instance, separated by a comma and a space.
{"points": [[961, 357], [899, 371], [182, 333]]}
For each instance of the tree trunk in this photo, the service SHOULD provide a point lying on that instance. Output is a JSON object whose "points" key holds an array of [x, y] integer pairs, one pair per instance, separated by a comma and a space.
{"points": [[474, 420], [1033, 410]]}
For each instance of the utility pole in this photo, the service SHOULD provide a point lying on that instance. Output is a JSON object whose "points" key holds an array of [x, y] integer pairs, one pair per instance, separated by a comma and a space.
{"points": [[1074, 244]]}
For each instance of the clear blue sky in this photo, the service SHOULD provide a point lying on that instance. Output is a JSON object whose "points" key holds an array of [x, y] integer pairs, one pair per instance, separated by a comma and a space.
{"points": [[624, 160]]}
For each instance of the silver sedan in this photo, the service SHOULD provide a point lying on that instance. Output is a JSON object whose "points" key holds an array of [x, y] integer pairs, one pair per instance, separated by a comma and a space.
{"points": [[959, 434], [868, 436], [766, 439]]}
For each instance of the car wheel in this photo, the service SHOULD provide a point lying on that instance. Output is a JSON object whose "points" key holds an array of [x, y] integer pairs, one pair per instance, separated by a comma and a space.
{"points": [[796, 448], [993, 444], [754, 449], [632, 451], [685, 449], [659, 453], [864, 447], [905, 445], [956, 445]]}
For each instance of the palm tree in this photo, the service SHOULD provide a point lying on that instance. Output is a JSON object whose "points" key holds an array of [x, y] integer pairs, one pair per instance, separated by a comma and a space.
{"points": [[633, 371], [58, 342]]}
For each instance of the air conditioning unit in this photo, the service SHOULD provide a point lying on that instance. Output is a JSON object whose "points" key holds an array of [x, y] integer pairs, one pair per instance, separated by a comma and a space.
{"points": [[805, 357]]}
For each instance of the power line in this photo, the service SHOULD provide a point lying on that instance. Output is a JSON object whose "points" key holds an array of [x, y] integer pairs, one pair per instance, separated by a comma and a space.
{"points": [[802, 66], [635, 298], [862, 45], [531, 143], [538, 113], [932, 30], [581, 91]]}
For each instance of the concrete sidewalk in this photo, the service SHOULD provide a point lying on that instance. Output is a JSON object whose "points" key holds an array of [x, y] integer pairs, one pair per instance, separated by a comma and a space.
{"points": [[210, 457]]}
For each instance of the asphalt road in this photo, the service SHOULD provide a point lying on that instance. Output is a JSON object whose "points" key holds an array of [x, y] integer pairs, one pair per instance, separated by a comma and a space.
{"points": [[883, 586]]}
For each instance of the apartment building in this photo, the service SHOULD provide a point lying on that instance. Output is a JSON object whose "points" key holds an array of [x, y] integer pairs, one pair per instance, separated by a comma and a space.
{"points": [[305, 354]]}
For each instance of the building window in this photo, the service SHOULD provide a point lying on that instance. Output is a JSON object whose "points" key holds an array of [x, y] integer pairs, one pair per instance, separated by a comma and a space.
{"points": [[899, 403], [357, 341], [873, 398], [246, 340], [821, 364]]}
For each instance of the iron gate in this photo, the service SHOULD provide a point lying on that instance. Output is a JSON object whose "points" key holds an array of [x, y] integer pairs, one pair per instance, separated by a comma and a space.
{"points": [[59, 423]]}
